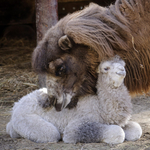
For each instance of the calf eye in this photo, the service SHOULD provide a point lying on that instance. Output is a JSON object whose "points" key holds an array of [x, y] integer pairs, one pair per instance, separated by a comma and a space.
{"points": [[60, 70], [106, 69]]}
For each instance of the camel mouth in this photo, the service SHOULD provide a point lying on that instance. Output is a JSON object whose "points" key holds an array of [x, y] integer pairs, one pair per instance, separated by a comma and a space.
{"points": [[121, 73], [65, 100]]}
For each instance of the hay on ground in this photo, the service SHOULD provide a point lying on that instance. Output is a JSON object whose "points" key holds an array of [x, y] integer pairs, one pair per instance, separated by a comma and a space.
{"points": [[16, 76]]}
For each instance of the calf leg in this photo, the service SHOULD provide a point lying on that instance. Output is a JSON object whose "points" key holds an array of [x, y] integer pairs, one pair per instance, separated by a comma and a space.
{"points": [[34, 128], [92, 132], [133, 131]]}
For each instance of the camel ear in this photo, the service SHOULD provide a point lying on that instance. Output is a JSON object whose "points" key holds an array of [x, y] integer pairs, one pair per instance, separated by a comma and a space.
{"points": [[39, 57], [65, 43]]}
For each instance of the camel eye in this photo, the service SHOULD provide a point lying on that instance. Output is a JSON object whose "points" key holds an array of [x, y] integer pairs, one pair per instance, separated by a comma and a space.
{"points": [[60, 70]]}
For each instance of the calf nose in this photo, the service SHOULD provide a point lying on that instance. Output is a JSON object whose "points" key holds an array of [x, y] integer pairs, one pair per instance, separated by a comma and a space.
{"points": [[121, 68], [121, 71]]}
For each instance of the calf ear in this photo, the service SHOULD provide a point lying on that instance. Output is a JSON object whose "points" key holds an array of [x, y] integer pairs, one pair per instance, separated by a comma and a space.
{"points": [[65, 43]]}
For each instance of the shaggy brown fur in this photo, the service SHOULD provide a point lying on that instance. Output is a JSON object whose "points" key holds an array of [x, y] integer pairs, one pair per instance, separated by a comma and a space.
{"points": [[74, 71], [122, 29]]}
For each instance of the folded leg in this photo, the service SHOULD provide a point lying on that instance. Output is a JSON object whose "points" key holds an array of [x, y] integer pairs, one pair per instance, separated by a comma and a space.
{"points": [[92, 132], [34, 128], [133, 131]]}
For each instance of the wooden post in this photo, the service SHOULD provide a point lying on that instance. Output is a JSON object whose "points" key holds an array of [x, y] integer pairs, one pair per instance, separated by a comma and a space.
{"points": [[46, 16]]}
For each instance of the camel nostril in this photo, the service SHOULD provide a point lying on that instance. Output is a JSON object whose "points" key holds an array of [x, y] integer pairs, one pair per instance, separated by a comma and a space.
{"points": [[58, 107]]}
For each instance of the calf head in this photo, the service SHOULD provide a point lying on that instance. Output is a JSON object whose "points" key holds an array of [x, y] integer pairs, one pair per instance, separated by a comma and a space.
{"points": [[111, 72]]}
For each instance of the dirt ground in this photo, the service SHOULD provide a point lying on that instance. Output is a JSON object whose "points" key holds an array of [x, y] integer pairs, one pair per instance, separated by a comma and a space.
{"points": [[18, 79]]}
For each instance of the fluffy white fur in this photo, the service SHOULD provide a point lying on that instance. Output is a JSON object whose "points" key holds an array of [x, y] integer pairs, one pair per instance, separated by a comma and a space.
{"points": [[100, 118]]}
